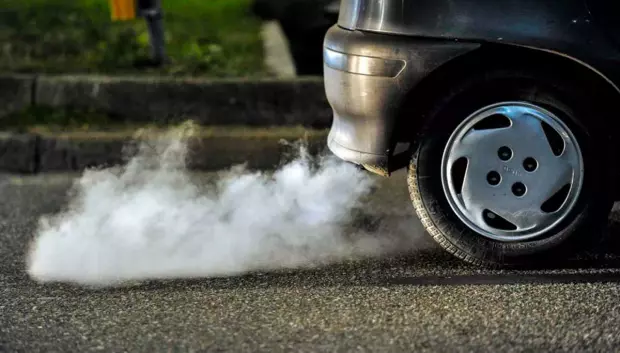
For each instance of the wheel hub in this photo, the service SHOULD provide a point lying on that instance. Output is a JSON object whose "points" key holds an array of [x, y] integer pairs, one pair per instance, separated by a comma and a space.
{"points": [[512, 171]]}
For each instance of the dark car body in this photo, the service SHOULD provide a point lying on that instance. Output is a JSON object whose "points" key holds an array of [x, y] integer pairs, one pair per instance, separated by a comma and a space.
{"points": [[384, 56]]}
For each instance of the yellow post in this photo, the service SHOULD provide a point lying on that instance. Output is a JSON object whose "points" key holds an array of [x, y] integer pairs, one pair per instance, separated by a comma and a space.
{"points": [[123, 10]]}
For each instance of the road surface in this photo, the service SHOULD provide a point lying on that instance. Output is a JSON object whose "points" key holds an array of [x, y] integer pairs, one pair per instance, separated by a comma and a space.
{"points": [[426, 301]]}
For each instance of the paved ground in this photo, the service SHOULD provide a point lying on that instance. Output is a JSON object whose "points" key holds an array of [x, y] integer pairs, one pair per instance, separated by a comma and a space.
{"points": [[423, 302]]}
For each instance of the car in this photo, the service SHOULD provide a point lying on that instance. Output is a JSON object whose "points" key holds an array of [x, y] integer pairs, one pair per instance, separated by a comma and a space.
{"points": [[502, 112]]}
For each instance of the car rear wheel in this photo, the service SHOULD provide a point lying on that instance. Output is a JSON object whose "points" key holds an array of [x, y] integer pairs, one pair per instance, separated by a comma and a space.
{"points": [[511, 170]]}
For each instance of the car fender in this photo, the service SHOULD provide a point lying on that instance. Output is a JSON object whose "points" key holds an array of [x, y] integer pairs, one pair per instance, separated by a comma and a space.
{"points": [[564, 26]]}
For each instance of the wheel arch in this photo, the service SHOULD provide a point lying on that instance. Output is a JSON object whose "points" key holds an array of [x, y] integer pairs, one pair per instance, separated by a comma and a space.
{"points": [[411, 117]]}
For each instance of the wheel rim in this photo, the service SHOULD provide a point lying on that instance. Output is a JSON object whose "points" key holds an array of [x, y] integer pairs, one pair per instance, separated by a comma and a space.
{"points": [[512, 171]]}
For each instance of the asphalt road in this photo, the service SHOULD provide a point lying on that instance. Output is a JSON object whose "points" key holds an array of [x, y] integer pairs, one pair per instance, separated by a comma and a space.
{"points": [[425, 301]]}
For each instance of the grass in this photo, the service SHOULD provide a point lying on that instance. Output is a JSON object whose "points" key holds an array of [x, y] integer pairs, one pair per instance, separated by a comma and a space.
{"points": [[217, 38]]}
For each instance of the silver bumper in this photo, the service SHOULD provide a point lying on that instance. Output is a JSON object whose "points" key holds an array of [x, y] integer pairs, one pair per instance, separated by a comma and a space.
{"points": [[367, 77]]}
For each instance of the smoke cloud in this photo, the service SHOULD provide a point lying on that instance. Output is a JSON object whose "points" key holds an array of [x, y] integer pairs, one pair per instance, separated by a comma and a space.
{"points": [[149, 219]]}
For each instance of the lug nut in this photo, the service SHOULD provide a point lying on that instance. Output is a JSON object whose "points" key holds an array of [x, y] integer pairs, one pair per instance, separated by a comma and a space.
{"points": [[494, 178], [530, 164], [518, 189], [504, 153]]}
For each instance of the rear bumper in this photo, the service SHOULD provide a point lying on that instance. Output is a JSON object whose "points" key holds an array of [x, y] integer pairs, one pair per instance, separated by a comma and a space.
{"points": [[367, 77]]}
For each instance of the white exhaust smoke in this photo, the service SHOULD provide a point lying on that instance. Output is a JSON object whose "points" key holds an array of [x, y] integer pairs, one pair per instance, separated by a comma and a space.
{"points": [[150, 220]]}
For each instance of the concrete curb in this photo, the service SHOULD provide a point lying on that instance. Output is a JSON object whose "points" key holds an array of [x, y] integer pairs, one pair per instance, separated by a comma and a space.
{"points": [[278, 58], [264, 102], [34, 153]]}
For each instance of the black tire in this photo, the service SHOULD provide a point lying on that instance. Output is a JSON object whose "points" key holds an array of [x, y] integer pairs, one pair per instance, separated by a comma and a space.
{"points": [[582, 113]]}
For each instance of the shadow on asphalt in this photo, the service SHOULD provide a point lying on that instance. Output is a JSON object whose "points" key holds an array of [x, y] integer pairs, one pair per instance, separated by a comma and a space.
{"points": [[395, 273], [599, 266], [506, 279], [425, 267], [410, 271], [428, 267]]}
